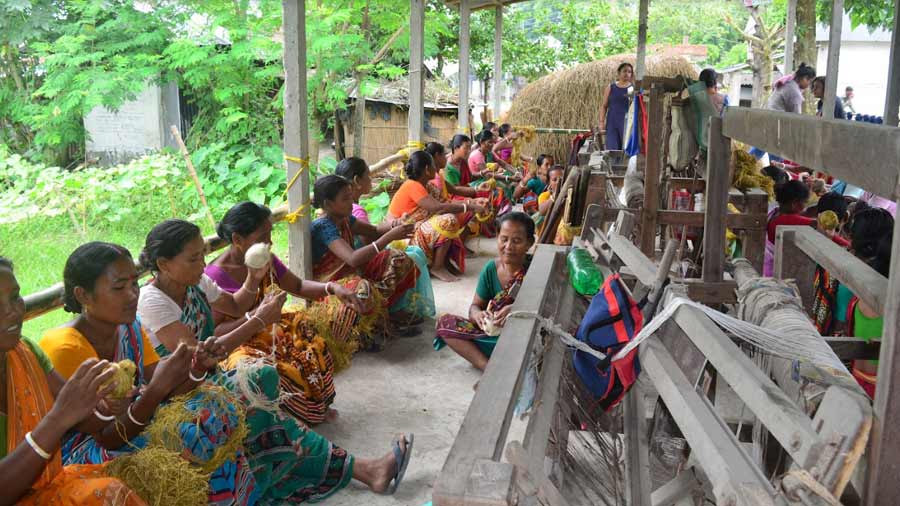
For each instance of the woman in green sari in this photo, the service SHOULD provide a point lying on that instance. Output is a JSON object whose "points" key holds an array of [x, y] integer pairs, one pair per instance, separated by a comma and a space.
{"points": [[291, 463]]}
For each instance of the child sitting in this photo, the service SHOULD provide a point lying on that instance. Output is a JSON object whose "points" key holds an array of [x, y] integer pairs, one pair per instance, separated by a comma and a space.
{"points": [[548, 197], [791, 197]]}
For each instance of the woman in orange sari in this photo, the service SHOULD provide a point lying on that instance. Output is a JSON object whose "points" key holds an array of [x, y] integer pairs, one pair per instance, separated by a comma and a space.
{"points": [[380, 275], [32, 425], [439, 220]]}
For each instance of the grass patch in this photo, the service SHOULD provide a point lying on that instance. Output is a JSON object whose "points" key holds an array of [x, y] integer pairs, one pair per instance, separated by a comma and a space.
{"points": [[39, 248]]}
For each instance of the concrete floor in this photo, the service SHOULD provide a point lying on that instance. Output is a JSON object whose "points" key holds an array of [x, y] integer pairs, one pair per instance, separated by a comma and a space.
{"points": [[409, 387]]}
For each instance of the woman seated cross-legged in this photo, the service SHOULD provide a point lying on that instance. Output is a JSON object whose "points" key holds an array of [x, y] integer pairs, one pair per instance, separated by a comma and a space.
{"points": [[475, 337], [438, 220]]}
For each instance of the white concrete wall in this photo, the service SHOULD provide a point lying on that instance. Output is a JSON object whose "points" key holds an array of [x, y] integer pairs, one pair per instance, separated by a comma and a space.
{"points": [[863, 65], [138, 127]]}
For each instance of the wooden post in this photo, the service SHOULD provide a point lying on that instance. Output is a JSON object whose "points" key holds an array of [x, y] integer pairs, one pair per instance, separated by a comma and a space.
{"points": [[296, 133], [754, 247], [792, 263], [789, 30], [892, 102], [883, 487], [498, 59], [834, 56], [652, 169], [640, 60], [416, 57], [717, 184], [464, 47]]}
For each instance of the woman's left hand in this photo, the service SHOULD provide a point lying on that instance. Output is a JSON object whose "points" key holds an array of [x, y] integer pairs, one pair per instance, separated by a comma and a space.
{"points": [[208, 353], [347, 296], [115, 407], [501, 316], [255, 276]]}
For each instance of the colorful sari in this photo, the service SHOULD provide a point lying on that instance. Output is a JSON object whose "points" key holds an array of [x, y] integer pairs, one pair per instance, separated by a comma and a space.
{"points": [[435, 230], [301, 356], [291, 463], [28, 402], [451, 326], [230, 483], [825, 290]]}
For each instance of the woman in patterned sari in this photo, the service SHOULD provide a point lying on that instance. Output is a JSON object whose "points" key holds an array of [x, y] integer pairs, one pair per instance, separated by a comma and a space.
{"points": [[101, 288], [380, 275], [438, 220], [290, 462], [475, 337], [303, 356], [32, 423]]}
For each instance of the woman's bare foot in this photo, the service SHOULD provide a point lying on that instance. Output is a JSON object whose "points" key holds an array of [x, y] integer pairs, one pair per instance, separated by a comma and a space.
{"points": [[444, 275], [386, 469], [331, 415]]}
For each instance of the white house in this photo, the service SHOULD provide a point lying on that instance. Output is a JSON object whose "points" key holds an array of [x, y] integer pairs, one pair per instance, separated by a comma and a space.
{"points": [[863, 64]]}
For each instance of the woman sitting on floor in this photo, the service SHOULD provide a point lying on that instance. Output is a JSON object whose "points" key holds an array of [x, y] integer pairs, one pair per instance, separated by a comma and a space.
{"points": [[418, 303], [379, 274], [290, 462], [303, 356], [529, 189], [475, 337], [487, 176], [438, 220], [504, 147], [37, 409], [547, 198], [101, 289]]}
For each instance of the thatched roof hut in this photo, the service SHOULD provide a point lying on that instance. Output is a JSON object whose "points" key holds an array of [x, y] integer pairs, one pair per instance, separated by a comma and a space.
{"points": [[571, 98]]}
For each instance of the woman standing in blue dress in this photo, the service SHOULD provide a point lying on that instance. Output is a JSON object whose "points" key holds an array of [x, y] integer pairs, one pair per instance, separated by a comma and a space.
{"points": [[615, 106]]}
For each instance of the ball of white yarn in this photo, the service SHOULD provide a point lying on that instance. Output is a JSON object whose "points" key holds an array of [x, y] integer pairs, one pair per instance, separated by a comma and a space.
{"points": [[257, 256]]}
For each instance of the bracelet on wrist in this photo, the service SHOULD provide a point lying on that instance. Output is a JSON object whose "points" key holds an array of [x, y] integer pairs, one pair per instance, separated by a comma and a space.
{"points": [[196, 379], [133, 419], [375, 246], [328, 289], [102, 417], [42, 453]]}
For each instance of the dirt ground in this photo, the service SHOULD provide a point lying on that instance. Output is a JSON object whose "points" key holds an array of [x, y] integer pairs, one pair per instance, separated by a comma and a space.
{"points": [[408, 387]]}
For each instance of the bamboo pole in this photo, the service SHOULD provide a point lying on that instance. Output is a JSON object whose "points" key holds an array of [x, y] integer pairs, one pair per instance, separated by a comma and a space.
{"points": [[193, 171]]}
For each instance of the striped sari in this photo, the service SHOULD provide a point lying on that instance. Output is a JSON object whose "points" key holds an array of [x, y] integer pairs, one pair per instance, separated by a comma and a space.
{"points": [[291, 463], [230, 484], [435, 230], [29, 401]]}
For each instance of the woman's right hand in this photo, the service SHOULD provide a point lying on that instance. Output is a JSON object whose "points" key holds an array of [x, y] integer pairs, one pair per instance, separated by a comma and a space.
{"points": [[172, 371], [269, 310], [403, 231], [82, 392]]}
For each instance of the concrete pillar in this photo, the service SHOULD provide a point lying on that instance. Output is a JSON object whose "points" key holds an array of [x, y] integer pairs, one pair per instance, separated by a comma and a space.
{"points": [[465, 14], [296, 134], [789, 29], [640, 66], [834, 57], [498, 60], [416, 61]]}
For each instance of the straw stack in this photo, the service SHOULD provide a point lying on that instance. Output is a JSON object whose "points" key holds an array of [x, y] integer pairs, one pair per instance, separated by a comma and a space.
{"points": [[571, 98]]}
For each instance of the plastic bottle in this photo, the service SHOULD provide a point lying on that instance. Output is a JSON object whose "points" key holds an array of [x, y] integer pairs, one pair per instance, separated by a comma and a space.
{"points": [[586, 278], [698, 202]]}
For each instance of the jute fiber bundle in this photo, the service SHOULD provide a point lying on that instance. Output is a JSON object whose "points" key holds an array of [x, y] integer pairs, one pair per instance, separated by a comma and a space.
{"points": [[571, 98]]}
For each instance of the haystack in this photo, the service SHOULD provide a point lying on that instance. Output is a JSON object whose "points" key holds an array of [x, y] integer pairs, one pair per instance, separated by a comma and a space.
{"points": [[571, 98]]}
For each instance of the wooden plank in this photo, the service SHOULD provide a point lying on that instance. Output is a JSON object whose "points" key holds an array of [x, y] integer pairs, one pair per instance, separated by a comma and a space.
{"points": [[490, 484], [640, 60], [838, 148], [530, 484], [834, 58], [719, 292], [596, 191], [484, 428], [853, 348], [643, 268], [296, 134], [556, 212], [792, 263], [698, 219], [416, 63], [680, 487], [717, 185], [884, 460], [637, 448], [864, 281], [892, 101], [756, 203], [844, 423], [652, 170], [735, 479], [778, 413], [464, 58], [668, 84]]}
